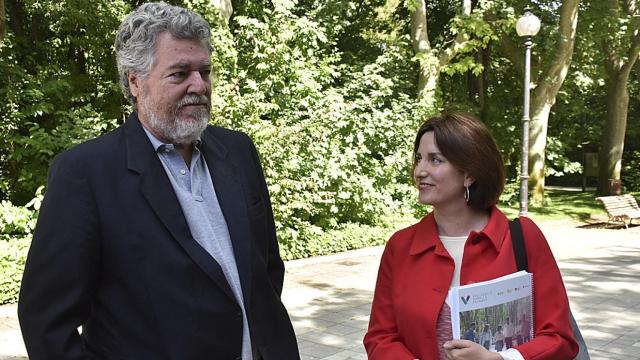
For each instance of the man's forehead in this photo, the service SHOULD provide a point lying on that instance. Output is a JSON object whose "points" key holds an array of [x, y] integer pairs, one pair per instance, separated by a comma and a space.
{"points": [[169, 43], [187, 64]]}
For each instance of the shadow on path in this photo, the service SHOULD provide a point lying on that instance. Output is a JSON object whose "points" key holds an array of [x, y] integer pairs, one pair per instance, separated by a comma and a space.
{"points": [[605, 298]]}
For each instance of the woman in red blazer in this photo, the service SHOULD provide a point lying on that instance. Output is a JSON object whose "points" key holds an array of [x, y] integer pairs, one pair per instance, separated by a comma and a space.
{"points": [[465, 239]]}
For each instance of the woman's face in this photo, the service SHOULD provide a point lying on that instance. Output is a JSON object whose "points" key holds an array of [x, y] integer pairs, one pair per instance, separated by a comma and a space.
{"points": [[439, 182]]}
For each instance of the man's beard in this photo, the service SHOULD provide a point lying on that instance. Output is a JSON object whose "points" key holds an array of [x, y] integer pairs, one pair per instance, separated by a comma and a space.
{"points": [[179, 131]]}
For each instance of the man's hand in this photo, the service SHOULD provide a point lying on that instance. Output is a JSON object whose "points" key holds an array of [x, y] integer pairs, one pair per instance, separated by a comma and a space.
{"points": [[468, 350]]}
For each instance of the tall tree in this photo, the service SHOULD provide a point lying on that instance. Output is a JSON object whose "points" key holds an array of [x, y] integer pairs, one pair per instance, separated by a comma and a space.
{"points": [[544, 95], [621, 48], [547, 81]]}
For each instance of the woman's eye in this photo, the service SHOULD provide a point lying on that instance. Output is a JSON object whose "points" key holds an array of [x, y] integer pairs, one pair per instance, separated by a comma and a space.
{"points": [[418, 157]]}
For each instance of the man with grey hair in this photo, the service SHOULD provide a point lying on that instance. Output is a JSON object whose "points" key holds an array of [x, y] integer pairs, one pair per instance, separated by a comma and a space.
{"points": [[157, 239]]}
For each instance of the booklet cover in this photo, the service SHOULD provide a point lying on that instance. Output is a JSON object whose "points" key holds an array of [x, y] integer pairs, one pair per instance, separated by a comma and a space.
{"points": [[497, 314]]}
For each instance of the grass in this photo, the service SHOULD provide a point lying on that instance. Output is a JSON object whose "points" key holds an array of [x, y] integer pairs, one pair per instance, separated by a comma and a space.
{"points": [[565, 205]]}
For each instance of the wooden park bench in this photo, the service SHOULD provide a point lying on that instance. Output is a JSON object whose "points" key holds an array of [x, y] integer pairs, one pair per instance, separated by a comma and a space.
{"points": [[621, 208]]}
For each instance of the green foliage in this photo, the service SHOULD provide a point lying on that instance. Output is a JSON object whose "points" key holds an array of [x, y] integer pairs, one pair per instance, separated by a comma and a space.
{"points": [[58, 86], [13, 253], [332, 132], [346, 236], [511, 194], [557, 163], [16, 226], [630, 174], [18, 220]]}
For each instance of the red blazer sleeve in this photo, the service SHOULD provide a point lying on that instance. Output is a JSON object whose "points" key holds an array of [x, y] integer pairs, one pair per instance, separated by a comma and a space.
{"points": [[382, 340], [553, 338]]}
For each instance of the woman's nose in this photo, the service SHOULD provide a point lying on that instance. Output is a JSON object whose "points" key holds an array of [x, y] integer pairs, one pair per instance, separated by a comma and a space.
{"points": [[421, 169]]}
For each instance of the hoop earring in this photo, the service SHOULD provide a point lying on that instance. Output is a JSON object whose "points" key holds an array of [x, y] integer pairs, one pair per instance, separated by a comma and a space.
{"points": [[466, 193]]}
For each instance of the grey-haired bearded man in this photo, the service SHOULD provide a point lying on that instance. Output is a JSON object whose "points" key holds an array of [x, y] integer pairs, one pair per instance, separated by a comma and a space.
{"points": [[157, 239]]}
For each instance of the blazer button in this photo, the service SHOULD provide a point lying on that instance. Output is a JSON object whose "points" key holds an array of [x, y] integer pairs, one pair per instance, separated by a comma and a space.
{"points": [[239, 357], [239, 315]]}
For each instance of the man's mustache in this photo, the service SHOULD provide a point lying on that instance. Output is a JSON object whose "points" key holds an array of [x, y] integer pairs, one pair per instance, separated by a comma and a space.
{"points": [[194, 100]]}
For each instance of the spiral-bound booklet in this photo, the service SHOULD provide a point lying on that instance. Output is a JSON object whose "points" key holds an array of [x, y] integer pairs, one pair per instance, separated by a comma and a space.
{"points": [[497, 314]]}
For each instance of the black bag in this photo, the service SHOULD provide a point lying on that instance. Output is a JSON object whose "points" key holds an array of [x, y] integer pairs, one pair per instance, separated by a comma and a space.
{"points": [[520, 252]]}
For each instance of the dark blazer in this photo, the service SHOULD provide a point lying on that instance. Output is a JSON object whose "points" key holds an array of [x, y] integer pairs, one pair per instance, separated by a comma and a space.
{"points": [[112, 252]]}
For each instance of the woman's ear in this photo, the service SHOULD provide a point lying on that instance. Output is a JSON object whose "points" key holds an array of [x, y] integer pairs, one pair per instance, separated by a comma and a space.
{"points": [[468, 180]]}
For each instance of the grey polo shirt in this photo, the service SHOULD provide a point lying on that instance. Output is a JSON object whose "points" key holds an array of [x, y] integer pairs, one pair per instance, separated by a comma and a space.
{"points": [[197, 197]]}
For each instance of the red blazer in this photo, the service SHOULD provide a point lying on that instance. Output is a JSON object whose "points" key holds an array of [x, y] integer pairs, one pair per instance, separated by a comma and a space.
{"points": [[415, 274]]}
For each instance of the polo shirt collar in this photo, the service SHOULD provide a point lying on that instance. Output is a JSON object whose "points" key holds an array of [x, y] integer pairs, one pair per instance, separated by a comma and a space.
{"points": [[426, 235]]}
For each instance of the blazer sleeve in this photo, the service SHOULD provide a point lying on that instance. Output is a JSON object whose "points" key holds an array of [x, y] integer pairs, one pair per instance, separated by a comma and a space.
{"points": [[382, 340], [553, 336], [61, 268], [275, 265]]}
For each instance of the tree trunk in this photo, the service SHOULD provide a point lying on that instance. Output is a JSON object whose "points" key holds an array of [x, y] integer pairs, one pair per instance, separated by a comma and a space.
{"points": [[429, 71], [610, 159], [618, 71], [538, 126], [544, 95], [3, 21]]}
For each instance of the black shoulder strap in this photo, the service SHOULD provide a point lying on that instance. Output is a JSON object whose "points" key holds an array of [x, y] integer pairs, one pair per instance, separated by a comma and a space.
{"points": [[519, 249]]}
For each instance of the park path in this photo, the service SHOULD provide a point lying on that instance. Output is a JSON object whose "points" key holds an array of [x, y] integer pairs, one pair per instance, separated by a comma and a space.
{"points": [[329, 297]]}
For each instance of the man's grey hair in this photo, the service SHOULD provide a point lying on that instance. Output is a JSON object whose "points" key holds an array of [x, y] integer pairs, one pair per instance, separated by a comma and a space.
{"points": [[138, 32]]}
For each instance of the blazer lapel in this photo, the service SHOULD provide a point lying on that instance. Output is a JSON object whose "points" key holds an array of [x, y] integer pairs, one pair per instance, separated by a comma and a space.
{"points": [[157, 189], [225, 177]]}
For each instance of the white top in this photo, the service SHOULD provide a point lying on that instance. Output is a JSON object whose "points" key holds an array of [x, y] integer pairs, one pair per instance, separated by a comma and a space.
{"points": [[455, 248]]}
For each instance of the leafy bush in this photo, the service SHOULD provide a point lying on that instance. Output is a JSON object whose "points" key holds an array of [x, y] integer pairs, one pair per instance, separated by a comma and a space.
{"points": [[16, 226], [511, 193], [557, 162], [345, 237], [13, 253], [630, 175], [334, 136]]}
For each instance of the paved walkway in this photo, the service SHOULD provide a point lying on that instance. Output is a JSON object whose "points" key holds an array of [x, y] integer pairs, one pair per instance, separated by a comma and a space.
{"points": [[329, 297]]}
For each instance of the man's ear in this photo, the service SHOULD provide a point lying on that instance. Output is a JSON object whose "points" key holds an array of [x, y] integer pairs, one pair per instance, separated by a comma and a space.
{"points": [[134, 84]]}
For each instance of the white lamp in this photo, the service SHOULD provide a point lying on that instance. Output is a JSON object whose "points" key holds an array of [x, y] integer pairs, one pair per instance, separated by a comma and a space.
{"points": [[527, 26]]}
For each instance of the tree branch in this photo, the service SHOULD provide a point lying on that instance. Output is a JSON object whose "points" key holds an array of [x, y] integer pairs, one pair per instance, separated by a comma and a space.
{"points": [[454, 49], [634, 50], [554, 75]]}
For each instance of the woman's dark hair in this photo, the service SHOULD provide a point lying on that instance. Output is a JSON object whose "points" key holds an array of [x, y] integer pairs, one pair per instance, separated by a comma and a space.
{"points": [[466, 142]]}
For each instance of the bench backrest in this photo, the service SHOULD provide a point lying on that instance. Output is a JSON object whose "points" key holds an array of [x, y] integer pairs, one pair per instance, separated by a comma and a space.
{"points": [[619, 205]]}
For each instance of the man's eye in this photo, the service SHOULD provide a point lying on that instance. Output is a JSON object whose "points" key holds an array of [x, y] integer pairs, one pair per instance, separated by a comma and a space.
{"points": [[179, 74], [417, 156]]}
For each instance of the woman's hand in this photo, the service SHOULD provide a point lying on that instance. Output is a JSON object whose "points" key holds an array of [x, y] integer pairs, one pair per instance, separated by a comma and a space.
{"points": [[468, 350]]}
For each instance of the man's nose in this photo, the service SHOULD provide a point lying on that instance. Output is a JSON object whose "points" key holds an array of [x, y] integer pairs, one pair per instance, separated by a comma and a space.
{"points": [[198, 83]]}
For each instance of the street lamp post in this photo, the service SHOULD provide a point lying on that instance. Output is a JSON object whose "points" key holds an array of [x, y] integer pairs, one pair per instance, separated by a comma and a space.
{"points": [[527, 27]]}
